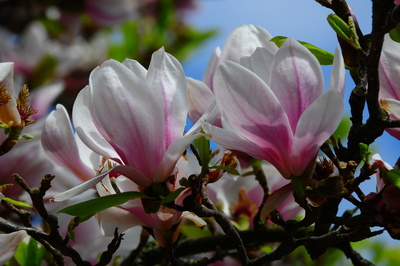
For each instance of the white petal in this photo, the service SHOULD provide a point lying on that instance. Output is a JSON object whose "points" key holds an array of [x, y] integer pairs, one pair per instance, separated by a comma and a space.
{"points": [[296, 79], [315, 126], [167, 82], [337, 81], [59, 143], [8, 244]]}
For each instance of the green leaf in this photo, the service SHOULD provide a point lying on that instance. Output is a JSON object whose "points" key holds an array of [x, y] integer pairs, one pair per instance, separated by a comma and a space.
{"points": [[343, 129], [90, 207], [228, 169], [393, 177], [172, 196], [17, 203], [29, 253], [323, 57], [395, 33], [340, 27], [364, 152], [203, 147], [194, 232]]}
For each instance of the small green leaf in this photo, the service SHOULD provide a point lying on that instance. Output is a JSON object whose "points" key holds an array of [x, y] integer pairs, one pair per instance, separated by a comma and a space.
{"points": [[203, 147], [27, 136], [323, 57], [17, 203], [340, 26], [172, 196], [364, 152], [395, 33], [90, 207], [228, 169], [393, 176]]}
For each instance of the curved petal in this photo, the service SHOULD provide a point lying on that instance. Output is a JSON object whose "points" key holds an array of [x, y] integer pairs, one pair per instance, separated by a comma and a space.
{"points": [[8, 110], [337, 81], [194, 218], [275, 200], [315, 126], [115, 217], [59, 142], [86, 128], [296, 79], [393, 108], [125, 170], [172, 155], [231, 140], [211, 68], [260, 62], [389, 76], [200, 96], [251, 108], [8, 244], [167, 82], [129, 113], [135, 67], [243, 41]]}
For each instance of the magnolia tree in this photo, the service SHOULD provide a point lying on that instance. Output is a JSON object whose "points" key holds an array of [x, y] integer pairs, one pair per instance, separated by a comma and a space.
{"points": [[122, 180]]}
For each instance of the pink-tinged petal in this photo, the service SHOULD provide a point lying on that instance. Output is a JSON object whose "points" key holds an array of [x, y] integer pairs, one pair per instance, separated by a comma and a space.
{"points": [[389, 75], [115, 217], [42, 98], [127, 171], [296, 79], [172, 155], [275, 200], [129, 113], [393, 108], [315, 126], [337, 81], [243, 41], [383, 166], [9, 243], [167, 81], [194, 218], [212, 115], [231, 140], [59, 142], [212, 68], [200, 97], [251, 108], [260, 62], [86, 129], [135, 67], [8, 111]]}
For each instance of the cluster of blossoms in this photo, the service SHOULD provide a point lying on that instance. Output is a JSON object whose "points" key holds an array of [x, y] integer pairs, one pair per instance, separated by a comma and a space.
{"points": [[131, 121]]}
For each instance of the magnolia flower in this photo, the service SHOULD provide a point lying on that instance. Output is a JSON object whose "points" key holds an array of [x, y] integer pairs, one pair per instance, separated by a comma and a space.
{"points": [[389, 71], [136, 118], [8, 106], [279, 112], [242, 41]]}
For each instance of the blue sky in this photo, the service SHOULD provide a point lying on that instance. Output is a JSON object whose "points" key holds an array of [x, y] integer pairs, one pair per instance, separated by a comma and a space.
{"points": [[303, 20]]}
